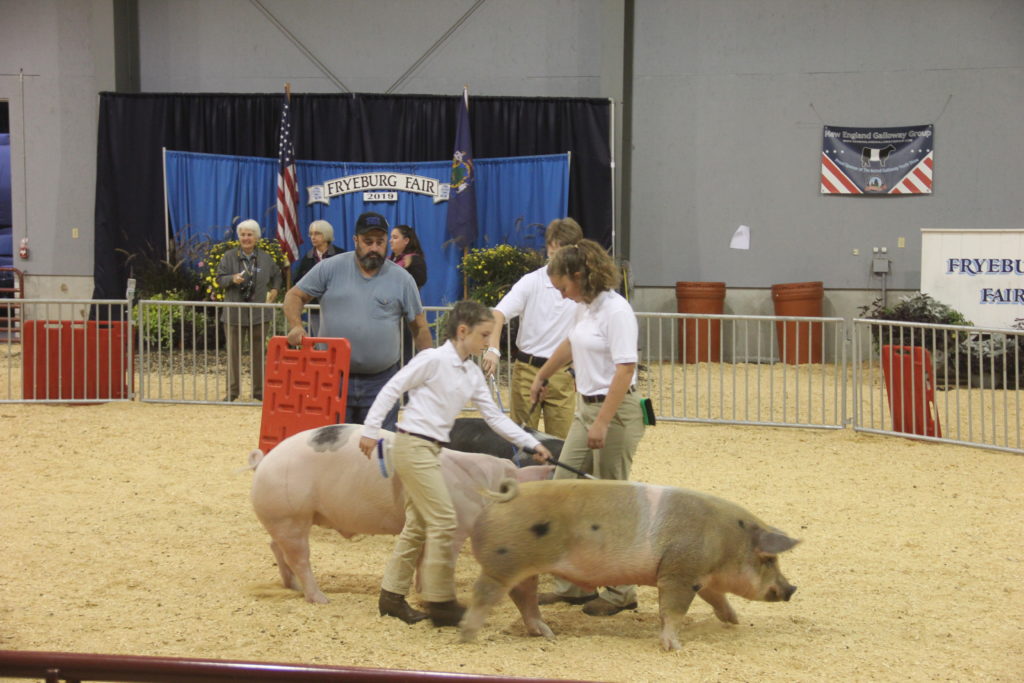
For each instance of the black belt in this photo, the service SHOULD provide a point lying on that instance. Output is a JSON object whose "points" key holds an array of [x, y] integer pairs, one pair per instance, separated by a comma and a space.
{"points": [[598, 398], [535, 361], [442, 444]]}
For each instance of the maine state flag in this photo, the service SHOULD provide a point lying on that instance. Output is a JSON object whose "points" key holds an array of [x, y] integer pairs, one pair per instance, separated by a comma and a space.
{"points": [[462, 200]]}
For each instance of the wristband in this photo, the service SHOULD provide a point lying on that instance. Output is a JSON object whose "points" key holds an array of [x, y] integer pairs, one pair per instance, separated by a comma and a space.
{"points": [[495, 351]]}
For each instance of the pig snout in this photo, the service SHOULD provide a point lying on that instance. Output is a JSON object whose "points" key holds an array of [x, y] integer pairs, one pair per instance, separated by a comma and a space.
{"points": [[780, 592]]}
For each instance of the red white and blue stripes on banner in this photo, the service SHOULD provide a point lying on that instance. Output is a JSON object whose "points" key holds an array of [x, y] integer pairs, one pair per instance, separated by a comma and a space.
{"points": [[516, 199], [896, 161]]}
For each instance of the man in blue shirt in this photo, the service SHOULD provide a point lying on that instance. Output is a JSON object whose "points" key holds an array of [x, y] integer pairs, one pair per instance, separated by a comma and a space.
{"points": [[363, 297]]}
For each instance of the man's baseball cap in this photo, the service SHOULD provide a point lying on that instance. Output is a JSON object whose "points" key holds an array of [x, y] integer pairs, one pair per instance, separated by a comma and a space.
{"points": [[371, 221]]}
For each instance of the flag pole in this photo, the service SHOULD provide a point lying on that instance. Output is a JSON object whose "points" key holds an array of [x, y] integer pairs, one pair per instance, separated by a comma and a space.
{"points": [[465, 248]]}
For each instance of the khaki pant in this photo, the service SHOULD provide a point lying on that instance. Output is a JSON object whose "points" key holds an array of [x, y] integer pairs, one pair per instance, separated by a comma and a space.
{"points": [[557, 407], [611, 462], [429, 523]]}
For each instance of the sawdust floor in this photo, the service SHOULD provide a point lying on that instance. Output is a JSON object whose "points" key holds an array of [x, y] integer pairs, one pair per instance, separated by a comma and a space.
{"points": [[126, 528]]}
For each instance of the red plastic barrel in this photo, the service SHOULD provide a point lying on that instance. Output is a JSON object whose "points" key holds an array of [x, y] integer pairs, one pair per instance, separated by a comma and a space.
{"points": [[799, 341], [700, 340]]}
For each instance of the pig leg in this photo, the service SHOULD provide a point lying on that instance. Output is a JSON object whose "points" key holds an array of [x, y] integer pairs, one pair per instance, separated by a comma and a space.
{"points": [[524, 595], [287, 576], [291, 548], [674, 597], [723, 610], [486, 593]]}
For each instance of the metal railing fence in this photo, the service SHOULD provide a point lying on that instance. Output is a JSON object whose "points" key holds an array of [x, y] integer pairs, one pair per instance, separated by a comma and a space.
{"points": [[940, 383], [731, 369], [726, 369], [67, 350], [185, 354]]}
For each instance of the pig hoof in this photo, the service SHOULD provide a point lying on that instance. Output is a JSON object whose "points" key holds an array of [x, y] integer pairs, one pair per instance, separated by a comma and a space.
{"points": [[727, 616], [536, 627], [670, 643], [317, 599]]}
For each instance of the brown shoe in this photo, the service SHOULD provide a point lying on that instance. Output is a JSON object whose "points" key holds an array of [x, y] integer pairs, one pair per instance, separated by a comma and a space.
{"points": [[599, 607], [394, 605], [552, 598], [447, 613]]}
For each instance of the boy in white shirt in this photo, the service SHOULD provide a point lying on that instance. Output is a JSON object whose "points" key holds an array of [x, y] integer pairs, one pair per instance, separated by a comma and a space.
{"points": [[545, 318]]}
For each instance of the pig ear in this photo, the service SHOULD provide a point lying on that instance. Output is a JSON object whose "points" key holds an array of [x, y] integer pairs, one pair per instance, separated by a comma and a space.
{"points": [[772, 541]]}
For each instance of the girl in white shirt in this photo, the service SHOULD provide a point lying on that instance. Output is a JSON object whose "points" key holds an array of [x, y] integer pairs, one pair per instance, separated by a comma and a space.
{"points": [[439, 381], [608, 422]]}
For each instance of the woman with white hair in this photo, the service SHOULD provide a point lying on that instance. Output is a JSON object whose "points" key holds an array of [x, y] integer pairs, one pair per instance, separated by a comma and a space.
{"points": [[247, 275], [321, 236]]}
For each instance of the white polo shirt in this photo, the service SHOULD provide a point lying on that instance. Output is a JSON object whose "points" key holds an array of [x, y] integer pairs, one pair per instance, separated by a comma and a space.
{"points": [[605, 335], [439, 385], [545, 317]]}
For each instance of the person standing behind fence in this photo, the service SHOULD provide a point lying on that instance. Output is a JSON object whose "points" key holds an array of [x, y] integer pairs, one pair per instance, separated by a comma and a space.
{"points": [[545, 318], [321, 236], [247, 275], [608, 422], [363, 297], [439, 382], [407, 252]]}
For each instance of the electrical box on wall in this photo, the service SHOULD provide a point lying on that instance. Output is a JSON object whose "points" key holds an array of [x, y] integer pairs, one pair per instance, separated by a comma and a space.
{"points": [[879, 265]]}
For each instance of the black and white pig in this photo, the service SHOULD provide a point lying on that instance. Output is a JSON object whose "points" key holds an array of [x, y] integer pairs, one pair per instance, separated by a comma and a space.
{"points": [[602, 533], [473, 435]]}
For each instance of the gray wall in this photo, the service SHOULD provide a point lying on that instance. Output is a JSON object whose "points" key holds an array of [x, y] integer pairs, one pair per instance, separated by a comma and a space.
{"points": [[729, 99], [505, 47], [64, 48]]}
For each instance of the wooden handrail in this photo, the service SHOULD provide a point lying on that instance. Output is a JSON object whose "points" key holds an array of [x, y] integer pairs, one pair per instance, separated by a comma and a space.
{"points": [[56, 666]]}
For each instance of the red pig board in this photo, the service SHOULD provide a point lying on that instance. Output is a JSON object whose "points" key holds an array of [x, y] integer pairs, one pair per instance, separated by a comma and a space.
{"points": [[303, 387]]}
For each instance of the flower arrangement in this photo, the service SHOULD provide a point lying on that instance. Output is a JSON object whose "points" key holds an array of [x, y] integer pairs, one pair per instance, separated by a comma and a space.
{"points": [[492, 272], [209, 266]]}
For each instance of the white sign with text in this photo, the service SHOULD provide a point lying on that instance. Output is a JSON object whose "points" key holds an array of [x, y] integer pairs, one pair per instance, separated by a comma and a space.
{"points": [[978, 272]]}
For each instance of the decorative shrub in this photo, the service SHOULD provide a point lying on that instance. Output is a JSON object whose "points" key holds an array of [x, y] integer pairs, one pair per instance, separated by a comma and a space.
{"points": [[492, 272], [916, 308], [209, 266]]}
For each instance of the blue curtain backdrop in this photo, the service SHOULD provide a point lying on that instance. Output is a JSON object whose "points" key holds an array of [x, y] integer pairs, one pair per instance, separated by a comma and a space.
{"points": [[516, 198]]}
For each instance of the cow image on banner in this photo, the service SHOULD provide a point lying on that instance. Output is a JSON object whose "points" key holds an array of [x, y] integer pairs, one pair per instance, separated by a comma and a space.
{"points": [[895, 161]]}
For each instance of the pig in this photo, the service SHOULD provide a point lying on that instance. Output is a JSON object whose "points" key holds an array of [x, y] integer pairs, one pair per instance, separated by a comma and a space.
{"points": [[472, 434], [600, 533], [320, 477]]}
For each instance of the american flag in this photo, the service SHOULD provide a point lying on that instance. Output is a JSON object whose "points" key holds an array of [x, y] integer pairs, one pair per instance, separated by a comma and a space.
{"points": [[287, 190]]}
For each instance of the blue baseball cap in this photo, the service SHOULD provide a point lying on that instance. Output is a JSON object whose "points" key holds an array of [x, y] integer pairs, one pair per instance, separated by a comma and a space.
{"points": [[371, 221]]}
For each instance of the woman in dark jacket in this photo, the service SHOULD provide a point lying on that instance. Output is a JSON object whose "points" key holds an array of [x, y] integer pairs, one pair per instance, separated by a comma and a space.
{"points": [[321, 235], [407, 252]]}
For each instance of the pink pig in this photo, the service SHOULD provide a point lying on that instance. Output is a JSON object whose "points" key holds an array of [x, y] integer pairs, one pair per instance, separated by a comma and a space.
{"points": [[320, 477]]}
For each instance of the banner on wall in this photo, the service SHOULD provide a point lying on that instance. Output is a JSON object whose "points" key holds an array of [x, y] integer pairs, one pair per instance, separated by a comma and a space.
{"points": [[207, 194], [866, 161], [978, 272]]}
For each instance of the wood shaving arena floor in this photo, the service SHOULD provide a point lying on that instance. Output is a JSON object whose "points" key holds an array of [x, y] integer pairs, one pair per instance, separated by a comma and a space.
{"points": [[126, 528]]}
